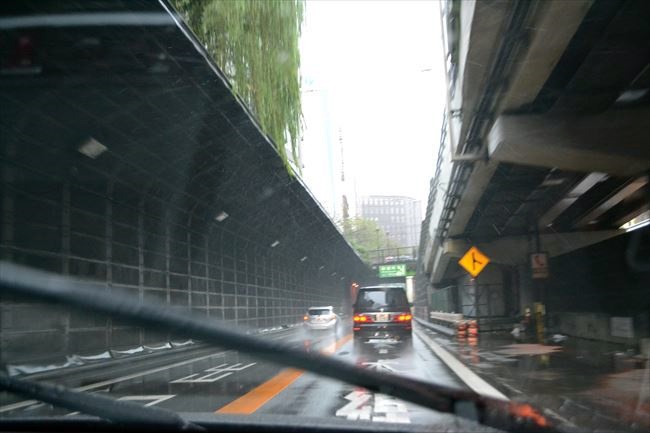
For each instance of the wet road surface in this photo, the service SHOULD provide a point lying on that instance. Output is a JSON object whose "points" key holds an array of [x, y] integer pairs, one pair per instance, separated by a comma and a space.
{"points": [[574, 390], [210, 380], [316, 396], [580, 385]]}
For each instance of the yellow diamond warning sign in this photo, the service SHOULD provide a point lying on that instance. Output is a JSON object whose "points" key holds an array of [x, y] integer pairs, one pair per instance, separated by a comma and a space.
{"points": [[474, 261]]}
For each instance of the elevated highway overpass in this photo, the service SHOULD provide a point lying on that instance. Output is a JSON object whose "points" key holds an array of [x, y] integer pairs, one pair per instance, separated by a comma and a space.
{"points": [[127, 161], [544, 148]]}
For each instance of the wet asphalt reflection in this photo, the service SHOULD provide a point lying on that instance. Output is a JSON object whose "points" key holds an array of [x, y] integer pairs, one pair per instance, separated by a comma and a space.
{"points": [[210, 381]]}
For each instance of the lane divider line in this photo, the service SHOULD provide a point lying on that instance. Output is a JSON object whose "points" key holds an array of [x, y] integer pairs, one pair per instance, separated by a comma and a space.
{"points": [[257, 397], [471, 379]]}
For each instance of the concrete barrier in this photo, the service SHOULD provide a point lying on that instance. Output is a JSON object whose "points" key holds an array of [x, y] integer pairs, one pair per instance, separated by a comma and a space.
{"points": [[591, 326], [446, 323]]}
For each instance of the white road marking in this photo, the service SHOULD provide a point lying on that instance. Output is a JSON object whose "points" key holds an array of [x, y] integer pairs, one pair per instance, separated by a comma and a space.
{"points": [[208, 378], [471, 379], [214, 373], [511, 388], [152, 399], [556, 415], [394, 410], [356, 409], [366, 406], [26, 403], [382, 364]]}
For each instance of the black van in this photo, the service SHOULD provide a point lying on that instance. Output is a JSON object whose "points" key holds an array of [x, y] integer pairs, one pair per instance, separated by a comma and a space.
{"points": [[382, 312]]}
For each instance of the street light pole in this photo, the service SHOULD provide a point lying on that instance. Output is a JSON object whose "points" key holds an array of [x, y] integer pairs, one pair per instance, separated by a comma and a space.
{"points": [[377, 232]]}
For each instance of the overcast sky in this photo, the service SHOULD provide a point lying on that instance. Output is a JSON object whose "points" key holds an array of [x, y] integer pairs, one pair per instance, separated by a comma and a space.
{"points": [[381, 66]]}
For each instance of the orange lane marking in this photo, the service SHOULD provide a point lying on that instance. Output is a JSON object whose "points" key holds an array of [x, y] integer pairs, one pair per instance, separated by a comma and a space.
{"points": [[259, 396]]}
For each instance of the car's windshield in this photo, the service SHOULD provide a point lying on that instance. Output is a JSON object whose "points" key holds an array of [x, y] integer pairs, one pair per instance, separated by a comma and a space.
{"points": [[375, 299], [450, 192], [319, 311]]}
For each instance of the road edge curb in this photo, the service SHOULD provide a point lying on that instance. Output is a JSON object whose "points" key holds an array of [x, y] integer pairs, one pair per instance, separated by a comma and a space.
{"points": [[467, 376]]}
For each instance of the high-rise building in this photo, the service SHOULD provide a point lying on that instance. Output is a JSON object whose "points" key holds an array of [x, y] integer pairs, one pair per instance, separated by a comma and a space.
{"points": [[400, 217]]}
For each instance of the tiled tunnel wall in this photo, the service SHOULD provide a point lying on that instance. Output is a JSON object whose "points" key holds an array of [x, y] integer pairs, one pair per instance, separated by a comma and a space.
{"points": [[139, 219], [145, 251]]}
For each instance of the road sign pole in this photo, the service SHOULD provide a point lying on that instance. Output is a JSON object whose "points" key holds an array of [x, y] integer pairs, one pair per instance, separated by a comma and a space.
{"points": [[539, 269]]}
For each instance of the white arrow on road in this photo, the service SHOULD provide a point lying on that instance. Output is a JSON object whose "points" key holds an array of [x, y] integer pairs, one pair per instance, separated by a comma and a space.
{"points": [[382, 364]]}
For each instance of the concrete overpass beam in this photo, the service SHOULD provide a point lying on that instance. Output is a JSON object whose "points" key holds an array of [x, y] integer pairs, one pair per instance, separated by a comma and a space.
{"points": [[478, 181], [612, 201], [613, 142], [449, 250], [514, 250], [589, 181], [552, 28], [482, 26]]}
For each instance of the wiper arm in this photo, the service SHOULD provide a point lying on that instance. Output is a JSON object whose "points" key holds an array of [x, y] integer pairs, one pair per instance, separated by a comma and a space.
{"points": [[53, 288], [121, 412]]}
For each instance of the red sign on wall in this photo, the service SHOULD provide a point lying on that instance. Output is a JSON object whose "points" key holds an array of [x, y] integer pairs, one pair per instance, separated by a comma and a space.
{"points": [[539, 265]]}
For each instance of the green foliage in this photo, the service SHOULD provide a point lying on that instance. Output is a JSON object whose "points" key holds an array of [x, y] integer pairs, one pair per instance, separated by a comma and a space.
{"points": [[365, 236], [255, 43]]}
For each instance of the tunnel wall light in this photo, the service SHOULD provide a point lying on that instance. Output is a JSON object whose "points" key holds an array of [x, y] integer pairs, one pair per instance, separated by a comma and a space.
{"points": [[637, 222], [221, 216], [303, 259], [638, 226], [275, 244], [92, 148], [631, 95]]}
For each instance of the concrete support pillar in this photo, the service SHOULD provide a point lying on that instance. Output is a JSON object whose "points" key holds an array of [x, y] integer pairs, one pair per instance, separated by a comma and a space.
{"points": [[108, 244], [65, 254], [140, 245], [526, 288]]}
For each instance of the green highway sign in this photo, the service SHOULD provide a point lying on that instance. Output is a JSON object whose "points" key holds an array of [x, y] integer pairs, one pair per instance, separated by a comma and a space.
{"points": [[389, 271]]}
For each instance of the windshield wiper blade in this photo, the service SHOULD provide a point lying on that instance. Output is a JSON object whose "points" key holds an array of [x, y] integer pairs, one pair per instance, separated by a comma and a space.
{"points": [[117, 411], [54, 288]]}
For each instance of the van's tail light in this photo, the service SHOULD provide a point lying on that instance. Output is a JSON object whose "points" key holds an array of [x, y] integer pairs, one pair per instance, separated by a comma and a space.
{"points": [[361, 318], [405, 317]]}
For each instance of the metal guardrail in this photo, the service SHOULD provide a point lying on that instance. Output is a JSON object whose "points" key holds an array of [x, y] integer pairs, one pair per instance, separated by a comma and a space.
{"points": [[447, 323], [445, 317]]}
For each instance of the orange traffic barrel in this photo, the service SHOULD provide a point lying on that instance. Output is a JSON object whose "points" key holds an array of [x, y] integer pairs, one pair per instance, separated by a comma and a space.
{"points": [[461, 329], [472, 328]]}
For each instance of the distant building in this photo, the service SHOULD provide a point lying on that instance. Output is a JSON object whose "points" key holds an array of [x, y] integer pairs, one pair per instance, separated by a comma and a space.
{"points": [[400, 217]]}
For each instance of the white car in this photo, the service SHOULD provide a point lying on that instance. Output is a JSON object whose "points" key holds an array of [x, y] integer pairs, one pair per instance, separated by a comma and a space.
{"points": [[321, 318]]}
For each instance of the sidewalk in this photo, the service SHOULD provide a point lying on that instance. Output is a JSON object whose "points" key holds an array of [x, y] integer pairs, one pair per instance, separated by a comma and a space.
{"points": [[581, 384]]}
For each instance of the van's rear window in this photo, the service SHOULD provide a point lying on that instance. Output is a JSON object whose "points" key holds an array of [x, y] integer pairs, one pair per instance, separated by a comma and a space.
{"points": [[374, 299]]}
